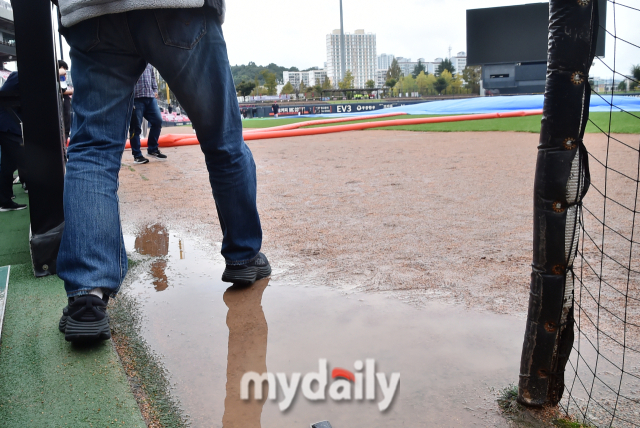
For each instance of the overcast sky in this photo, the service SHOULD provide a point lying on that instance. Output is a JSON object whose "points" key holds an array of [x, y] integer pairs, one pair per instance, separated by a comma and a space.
{"points": [[293, 32]]}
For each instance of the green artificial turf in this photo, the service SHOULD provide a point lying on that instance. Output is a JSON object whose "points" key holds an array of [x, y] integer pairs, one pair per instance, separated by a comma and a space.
{"points": [[14, 232], [622, 123], [270, 123], [48, 382]]}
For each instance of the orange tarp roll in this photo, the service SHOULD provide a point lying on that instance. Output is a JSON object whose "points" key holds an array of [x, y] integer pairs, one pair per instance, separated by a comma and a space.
{"points": [[321, 122], [380, 124], [176, 140]]}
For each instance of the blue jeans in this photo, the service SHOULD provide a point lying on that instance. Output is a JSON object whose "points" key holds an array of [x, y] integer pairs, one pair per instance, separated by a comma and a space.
{"points": [[109, 54], [147, 108]]}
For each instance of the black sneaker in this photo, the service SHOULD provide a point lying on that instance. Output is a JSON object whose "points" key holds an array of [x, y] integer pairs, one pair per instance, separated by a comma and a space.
{"points": [[85, 319], [157, 154], [140, 160], [12, 206], [246, 274]]}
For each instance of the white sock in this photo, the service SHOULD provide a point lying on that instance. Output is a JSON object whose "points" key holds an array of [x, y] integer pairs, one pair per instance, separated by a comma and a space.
{"points": [[96, 292]]}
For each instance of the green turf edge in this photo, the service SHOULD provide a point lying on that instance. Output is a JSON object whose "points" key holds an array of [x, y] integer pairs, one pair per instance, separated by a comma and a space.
{"points": [[48, 382], [14, 230]]}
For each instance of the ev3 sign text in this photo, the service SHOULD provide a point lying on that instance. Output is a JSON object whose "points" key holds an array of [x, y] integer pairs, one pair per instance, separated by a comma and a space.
{"points": [[345, 385]]}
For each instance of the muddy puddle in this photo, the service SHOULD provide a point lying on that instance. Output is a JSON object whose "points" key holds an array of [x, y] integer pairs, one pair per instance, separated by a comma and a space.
{"points": [[451, 361]]}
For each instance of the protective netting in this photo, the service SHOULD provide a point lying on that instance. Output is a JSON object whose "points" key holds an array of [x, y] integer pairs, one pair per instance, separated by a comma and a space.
{"points": [[602, 377]]}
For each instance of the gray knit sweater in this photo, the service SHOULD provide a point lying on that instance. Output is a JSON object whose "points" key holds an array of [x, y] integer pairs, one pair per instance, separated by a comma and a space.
{"points": [[74, 11]]}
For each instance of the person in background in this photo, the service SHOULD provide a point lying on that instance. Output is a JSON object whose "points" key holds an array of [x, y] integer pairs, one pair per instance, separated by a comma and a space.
{"points": [[145, 106], [67, 92], [12, 151], [276, 108]]}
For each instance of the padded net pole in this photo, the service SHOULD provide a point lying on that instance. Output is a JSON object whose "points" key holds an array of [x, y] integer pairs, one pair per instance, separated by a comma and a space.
{"points": [[561, 182]]}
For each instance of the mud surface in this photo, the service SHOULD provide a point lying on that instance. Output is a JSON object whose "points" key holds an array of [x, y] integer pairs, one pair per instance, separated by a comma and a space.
{"points": [[428, 216], [210, 334], [419, 217]]}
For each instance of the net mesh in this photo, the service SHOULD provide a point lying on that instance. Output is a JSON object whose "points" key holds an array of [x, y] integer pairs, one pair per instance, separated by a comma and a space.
{"points": [[603, 374]]}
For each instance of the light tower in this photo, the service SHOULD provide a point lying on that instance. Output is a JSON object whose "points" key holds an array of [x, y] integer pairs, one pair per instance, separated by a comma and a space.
{"points": [[343, 53]]}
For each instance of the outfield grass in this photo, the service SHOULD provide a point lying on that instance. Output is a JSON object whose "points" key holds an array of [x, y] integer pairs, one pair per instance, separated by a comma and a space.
{"points": [[621, 123]]}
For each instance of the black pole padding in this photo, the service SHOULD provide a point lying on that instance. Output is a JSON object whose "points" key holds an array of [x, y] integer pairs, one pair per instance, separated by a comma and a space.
{"points": [[40, 99], [561, 182]]}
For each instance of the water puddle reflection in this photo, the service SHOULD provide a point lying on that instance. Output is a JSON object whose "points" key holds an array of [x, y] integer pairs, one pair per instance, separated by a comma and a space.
{"points": [[209, 335]]}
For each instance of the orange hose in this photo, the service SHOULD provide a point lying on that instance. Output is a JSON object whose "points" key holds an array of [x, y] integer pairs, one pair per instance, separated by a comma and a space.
{"points": [[385, 123], [321, 122], [177, 140]]}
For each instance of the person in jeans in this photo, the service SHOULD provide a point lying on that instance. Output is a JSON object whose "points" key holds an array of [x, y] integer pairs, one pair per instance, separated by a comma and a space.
{"points": [[111, 43], [145, 106]]}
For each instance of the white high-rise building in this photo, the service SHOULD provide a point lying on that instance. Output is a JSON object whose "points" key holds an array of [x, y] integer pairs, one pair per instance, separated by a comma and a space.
{"points": [[381, 77], [362, 59], [459, 62], [309, 78], [384, 61]]}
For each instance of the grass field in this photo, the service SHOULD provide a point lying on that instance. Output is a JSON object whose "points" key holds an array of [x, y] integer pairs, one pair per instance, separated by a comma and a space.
{"points": [[621, 123]]}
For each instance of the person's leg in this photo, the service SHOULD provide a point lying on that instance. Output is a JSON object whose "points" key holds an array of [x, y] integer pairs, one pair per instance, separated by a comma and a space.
{"points": [[153, 116], [193, 60], [105, 69], [8, 164], [135, 127]]}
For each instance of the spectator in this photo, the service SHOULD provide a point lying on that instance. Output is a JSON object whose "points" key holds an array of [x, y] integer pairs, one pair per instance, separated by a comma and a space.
{"points": [[276, 108], [145, 106], [92, 260], [11, 151], [67, 92]]}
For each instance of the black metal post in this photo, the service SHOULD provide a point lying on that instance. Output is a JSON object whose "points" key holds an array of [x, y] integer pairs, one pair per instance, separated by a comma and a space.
{"points": [[561, 182], [42, 127]]}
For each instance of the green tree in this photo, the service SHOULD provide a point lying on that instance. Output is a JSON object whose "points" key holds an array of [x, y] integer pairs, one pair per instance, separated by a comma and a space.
{"points": [[406, 85], [456, 84], [635, 74], [245, 88], [622, 86], [370, 84], [391, 82], [440, 85], [472, 76], [419, 68], [423, 83], [347, 81], [446, 64], [247, 72], [270, 81], [301, 87], [326, 84], [287, 89], [394, 71]]}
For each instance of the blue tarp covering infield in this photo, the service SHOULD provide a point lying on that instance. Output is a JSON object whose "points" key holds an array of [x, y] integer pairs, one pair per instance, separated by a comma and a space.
{"points": [[499, 105]]}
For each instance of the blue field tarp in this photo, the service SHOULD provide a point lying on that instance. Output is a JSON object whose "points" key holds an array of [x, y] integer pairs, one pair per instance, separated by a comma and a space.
{"points": [[501, 105]]}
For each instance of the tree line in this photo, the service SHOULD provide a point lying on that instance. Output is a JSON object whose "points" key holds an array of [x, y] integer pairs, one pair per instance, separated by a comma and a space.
{"points": [[444, 81]]}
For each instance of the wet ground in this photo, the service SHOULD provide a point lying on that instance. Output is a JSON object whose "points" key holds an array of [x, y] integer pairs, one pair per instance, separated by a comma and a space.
{"points": [[408, 220], [210, 334]]}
